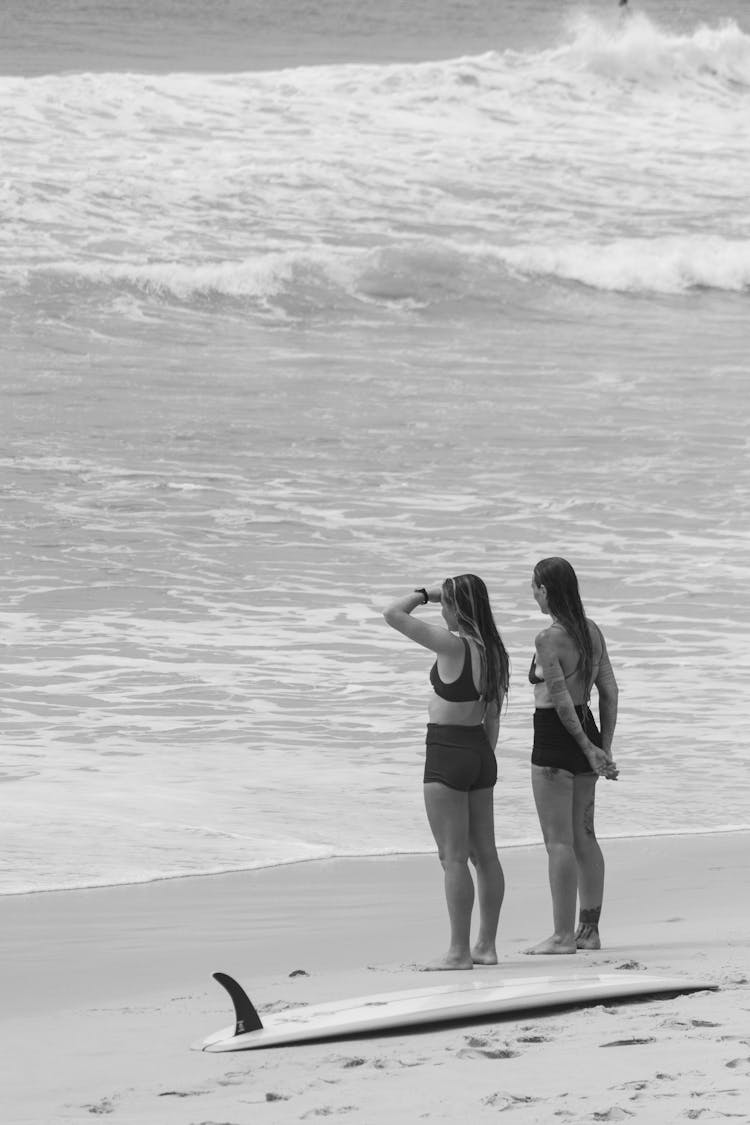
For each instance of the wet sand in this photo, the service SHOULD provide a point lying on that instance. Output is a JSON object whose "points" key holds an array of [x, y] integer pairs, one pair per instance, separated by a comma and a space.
{"points": [[104, 991]]}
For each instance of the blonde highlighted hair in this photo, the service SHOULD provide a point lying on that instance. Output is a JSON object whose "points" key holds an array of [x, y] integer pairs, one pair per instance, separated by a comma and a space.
{"points": [[467, 596]]}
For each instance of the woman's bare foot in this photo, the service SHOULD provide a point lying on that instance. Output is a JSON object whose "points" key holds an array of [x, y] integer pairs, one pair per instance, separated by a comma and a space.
{"points": [[484, 955], [448, 963], [554, 944], [587, 936]]}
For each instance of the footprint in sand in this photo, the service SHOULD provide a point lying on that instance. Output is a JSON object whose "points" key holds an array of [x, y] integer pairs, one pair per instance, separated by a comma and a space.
{"points": [[479, 1047], [283, 1005], [388, 1064], [503, 1101], [628, 1043], [327, 1111], [713, 1093], [615, 1113], [106, 1105], [642, 1089], [688, 1023], [742, 1065], [182, 1093], [235, 1079], [486, 1053]]}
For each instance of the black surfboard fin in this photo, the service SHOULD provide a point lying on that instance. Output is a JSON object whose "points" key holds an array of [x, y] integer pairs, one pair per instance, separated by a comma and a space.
{"points": [[247, 1019]]}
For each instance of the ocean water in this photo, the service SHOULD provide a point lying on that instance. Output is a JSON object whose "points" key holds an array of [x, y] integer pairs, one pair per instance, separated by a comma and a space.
{"points": [[306, 305]]}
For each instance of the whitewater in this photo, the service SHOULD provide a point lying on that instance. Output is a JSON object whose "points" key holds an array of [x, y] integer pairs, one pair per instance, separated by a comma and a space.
{"points": [[279, 342], [617, 160]]}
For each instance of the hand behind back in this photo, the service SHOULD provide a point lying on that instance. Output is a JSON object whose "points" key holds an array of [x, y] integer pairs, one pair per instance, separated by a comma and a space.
{"points": [[601, 762]]}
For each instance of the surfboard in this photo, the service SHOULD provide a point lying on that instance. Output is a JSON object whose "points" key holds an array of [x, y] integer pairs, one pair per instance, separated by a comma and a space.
{"points": [[464, 1000]]}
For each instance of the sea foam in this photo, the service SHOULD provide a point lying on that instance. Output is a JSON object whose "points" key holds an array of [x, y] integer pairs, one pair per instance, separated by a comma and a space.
{"points": [[618, 158]]}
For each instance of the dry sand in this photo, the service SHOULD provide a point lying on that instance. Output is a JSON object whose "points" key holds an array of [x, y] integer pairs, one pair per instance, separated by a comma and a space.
{"points": [[104, 991]]}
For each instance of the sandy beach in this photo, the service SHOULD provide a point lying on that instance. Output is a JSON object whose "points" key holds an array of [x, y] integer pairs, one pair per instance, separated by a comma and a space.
{"points": [[303, 305], [105, 990]]}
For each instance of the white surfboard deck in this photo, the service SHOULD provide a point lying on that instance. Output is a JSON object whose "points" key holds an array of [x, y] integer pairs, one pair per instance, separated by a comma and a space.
{"points": [[462, 1000]]}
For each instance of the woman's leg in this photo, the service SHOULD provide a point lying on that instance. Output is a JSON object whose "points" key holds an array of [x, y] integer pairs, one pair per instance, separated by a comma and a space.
{"points": [[448, 814], [490, 878], [553, 794], [590, 862]]}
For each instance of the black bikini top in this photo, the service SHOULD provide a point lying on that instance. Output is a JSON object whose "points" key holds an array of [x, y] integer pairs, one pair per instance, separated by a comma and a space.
{"points": [[533, 678], [462, 690]]}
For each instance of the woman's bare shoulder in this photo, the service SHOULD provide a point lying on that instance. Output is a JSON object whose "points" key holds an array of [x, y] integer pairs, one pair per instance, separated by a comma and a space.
{"points": [[548, 638]]}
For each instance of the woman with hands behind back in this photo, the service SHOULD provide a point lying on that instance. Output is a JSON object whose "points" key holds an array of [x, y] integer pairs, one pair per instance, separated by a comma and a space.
{"points": [[570, 753], [470, 681]]}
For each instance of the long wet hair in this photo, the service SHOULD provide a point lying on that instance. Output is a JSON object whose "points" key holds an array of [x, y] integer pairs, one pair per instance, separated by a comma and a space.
{"points": [[467, 595], [564, 603]]}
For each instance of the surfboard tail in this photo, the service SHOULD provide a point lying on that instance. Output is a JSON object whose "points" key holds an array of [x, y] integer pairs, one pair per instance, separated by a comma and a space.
{"points": [[246, 1017]]}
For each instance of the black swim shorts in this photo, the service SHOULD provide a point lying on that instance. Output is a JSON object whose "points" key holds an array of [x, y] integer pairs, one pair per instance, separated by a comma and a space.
{"points": [[555, 747], [459, 757]]}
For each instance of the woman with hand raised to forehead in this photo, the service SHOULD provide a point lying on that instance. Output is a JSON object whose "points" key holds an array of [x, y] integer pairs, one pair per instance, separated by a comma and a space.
{"points": [[570, 753], [469, 681]]}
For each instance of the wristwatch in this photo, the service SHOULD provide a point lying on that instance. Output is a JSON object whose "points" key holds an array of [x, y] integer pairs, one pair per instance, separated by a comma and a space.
{"points": [[421, 590]]}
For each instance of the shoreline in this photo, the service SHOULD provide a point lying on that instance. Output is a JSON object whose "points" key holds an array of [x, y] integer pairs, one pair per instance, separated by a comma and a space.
{"points": [[105, 991], [501, 845]]}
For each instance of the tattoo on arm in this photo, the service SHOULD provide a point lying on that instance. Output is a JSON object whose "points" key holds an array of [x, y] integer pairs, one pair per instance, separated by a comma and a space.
{"points": [[558, 690], [606, 685], [560, 696]]}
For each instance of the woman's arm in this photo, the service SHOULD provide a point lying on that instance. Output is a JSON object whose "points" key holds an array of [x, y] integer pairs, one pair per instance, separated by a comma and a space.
{"points": [[491, 723], [435, 637], [606, 686]]}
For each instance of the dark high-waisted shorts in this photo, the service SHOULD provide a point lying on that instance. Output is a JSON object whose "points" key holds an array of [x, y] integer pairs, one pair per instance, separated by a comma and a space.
{"points": [[459, 757], [555, 747]]}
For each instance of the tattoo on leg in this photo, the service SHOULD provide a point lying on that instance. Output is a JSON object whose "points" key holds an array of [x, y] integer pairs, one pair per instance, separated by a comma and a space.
{"points": [[550, 772], [587, 935], [588, 819]]}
